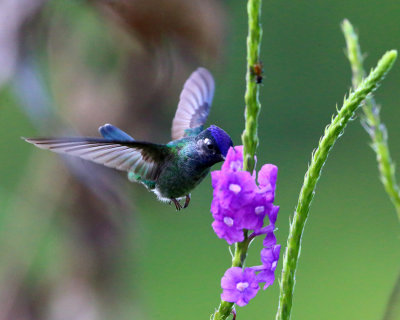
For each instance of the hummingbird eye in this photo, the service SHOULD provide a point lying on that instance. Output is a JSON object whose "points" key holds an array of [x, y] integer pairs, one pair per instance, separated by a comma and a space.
{"points": [[208, 143]]}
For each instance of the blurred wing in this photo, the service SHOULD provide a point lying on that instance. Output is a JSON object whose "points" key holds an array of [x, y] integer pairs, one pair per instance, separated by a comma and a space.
{"points": [[194, 104], [142, 158]]}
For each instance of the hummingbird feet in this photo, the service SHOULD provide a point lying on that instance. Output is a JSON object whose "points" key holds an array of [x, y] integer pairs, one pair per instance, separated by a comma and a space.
{"points": [[187, 201], [178, 206]]}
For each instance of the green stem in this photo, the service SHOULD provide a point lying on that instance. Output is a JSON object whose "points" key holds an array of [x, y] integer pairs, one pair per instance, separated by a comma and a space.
{"points": [[253, 106], [377, 131], [392, 311], [225, 308], [249, 136], [371, 121], [319, 156]]}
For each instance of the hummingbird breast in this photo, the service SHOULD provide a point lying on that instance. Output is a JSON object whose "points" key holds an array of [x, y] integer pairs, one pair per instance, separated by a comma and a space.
{"points": [[180, 176]]}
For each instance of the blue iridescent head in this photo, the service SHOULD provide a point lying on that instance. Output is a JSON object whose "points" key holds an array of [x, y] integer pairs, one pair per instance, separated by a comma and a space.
{"points": [[223, 140], [213, 144]]}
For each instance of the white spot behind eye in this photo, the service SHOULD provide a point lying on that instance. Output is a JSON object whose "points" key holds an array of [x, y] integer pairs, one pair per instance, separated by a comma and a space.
{"points": [[207, 141]]}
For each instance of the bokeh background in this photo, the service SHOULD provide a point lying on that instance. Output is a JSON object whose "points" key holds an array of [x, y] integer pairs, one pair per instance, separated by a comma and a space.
{"points": [[79, 242]]}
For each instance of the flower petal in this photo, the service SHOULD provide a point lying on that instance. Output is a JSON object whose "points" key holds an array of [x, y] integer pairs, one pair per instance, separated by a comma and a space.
{"points": [[234, 159], [231, 277], [215, 178], [267, 175], [266, 276], [230, 295], [273, 214], [239, 286], [229, 233], [270, 239]]}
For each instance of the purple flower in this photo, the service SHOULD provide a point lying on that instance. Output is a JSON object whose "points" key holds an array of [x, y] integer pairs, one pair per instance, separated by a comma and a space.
{"points": [[273, 214], [267, 175], [270, 239], [240, 204], [233, 189], [227, 227], [267, 180], [269, 259], [215, 178], [233, 160], [270, 256], [266, 230], [252, 215], [239, 286]]}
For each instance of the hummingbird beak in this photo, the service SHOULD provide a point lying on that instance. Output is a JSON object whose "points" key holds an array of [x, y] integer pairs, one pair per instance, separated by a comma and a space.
{"points": [[223, 157]]}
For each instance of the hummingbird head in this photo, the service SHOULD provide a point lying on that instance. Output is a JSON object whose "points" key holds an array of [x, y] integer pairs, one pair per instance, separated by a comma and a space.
{"points": [[214, 144]]}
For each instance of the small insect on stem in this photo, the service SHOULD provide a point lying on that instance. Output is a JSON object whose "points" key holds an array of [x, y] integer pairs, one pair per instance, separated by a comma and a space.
{"points": [[257, 71]]}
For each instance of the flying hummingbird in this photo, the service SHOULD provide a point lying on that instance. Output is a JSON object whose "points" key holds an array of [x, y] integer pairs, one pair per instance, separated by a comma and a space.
{"points": [[170, 170]]}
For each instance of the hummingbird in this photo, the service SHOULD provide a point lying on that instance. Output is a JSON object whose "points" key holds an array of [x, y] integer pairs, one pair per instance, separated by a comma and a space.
{"points": [[169, 170]]}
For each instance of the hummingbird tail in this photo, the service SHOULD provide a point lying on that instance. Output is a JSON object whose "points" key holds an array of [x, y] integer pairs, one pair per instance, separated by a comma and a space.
{"points": [[111, 132]]}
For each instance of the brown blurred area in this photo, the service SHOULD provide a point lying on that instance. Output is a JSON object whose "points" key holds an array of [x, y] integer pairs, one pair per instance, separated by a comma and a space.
{"points": [[74, 67]]}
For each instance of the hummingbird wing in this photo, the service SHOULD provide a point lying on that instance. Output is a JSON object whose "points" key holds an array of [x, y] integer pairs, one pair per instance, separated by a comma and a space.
{"points": [[143, 158], [194, 104]]}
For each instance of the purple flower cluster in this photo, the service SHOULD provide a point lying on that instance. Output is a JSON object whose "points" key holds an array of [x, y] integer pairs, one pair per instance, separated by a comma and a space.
{"points": [[240, 204]]}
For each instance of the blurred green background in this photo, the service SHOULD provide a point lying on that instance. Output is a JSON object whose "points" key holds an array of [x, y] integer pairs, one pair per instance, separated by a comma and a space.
{"points": [[64, 256]]}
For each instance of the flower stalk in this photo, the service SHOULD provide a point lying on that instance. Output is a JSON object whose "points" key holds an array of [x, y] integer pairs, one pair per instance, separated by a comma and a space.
{"points": [[318, 159], [225, 307], [371, 120], [392, 311], [239, 208], [250, 134], [379, 137], [253, 106]]}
